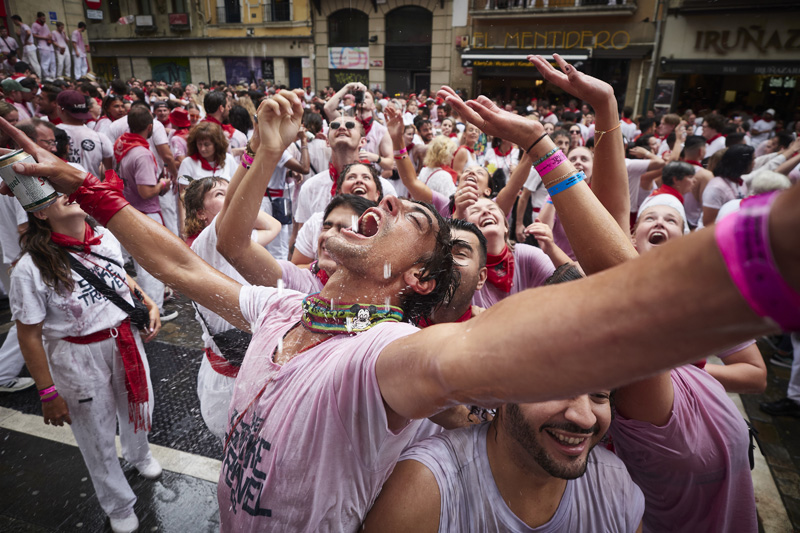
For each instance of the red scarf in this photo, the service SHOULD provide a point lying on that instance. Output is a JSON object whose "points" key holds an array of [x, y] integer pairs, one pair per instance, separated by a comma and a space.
{"points": [[367, 123], [693, 162], [227, 128], [627, 120], [409, 148], [126, 143], [453, 173], [453, 135], [55, 121], [501, 269], [499, 153], [205, 164], [334, 177], [714, 138], [470, 150], [321, 274], [425, 322], [666, 189], [182, 132], [89, 239]]}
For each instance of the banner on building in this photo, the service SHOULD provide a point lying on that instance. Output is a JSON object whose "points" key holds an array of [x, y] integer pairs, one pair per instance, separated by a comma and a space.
{"points": [[348, 58]]}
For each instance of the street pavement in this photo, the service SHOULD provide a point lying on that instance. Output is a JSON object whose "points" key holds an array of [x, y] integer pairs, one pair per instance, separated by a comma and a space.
{"points": [[45, 487]]}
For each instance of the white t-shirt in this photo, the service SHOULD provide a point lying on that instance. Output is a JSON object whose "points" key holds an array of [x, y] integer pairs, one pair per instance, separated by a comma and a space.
{"points": [[308, 236], [11, 215], [719, 191], [83, 311], [103, 125], [439, 180], [637, 168], [87, 147], [504, 162], [316, 193], [766, 127], [603, 499], [715, 146], [299, 279], [191, 170], [535, 184]]}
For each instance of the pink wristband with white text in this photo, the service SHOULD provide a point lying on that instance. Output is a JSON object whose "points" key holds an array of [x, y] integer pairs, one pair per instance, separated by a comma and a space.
{"points": [[551, 163], [743, 241]]}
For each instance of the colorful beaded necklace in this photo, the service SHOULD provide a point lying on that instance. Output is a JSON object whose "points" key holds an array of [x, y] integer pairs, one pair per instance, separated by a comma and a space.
{"points": [[321, 315]]}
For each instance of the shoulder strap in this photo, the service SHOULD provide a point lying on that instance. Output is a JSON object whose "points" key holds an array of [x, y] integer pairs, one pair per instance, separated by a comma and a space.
{"points": [[98, 284], [310, 164], [208, 328], [101, 256]]}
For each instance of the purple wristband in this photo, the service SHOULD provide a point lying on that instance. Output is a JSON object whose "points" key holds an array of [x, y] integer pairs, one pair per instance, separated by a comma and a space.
{"points": [[551, 163], [49, 390], [50, 398], [743, 241]]}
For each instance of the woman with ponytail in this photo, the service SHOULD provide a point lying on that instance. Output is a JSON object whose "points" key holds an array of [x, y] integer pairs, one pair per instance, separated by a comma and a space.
{"points": [[87, 360]]}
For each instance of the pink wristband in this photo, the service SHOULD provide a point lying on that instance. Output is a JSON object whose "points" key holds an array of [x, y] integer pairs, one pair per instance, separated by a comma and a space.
{"points": [[49, 390], [551, 163], [50, 399], [247, 159], [743, 241]]}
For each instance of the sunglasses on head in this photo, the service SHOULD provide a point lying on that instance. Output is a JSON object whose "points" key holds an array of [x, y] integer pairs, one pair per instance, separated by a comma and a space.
{"points": [[349, 125]]}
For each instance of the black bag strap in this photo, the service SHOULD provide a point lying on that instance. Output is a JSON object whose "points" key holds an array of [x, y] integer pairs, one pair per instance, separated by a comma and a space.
{"points": [[98, 284], [310, 165], [208, 328]]}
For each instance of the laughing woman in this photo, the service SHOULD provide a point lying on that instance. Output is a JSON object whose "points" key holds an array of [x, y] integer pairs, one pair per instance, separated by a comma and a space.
{"points": [[88, 362]]}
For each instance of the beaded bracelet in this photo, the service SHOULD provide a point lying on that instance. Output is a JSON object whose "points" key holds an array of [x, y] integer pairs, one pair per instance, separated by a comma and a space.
{"points": [[743, 241], [545, 156], [50, 399], [49, 390], [551, 163], [566, 184]]}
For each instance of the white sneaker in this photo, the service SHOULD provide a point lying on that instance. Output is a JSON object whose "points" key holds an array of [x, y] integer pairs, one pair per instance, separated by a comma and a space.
{"points": [[129, 524], [171, 316], [149, 470], [17, 384]]}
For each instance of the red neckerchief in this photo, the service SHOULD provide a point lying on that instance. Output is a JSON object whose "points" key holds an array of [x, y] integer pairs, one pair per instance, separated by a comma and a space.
{"points": [[666, 189], [191, 238], [367, 123], [55, 121], [501, 154], [334, 177], [693, 162], [89, 239], [714, 138], [501, 269], [10, 101], [453, 135], [470, 150], [227, 128], [627, 120], [321, 274], [205, 164], [182, 132], [127, 142], [409, 147], [453, 173], [425, 322]]}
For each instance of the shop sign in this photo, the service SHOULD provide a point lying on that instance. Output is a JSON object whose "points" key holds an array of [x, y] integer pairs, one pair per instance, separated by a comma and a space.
{"points": [[468, 71], [376, 63], [731, 67], [742, 39], [505, 63], [348, 58], [94, 14], [605, 40]]}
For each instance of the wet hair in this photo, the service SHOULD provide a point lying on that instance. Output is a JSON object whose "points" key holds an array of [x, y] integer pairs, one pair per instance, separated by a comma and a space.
{"points": [[358, 204], [211, 131], [437, 266], [214, 100], [240, 119], [373, 172], [194, 200], [676, 171], [457, 223], [735, 161]]}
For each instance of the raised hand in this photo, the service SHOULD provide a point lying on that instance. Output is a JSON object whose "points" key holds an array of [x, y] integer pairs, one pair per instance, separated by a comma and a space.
{"points": [[395, 125], [492, 120], [542, 233], [465, 197], [279, 120], [595, 92]]}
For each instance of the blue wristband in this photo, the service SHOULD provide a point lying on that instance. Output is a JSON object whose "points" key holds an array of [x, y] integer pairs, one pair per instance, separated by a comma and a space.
{"points": [[566, 184]]}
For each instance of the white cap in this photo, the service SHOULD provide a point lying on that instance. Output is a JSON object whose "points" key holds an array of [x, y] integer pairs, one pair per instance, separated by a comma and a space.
{"points": [[668, 200], [770, 111]]}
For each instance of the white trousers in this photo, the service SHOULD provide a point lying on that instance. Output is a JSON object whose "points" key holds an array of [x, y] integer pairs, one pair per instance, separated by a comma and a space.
{"points": [[47, 59], [63, 65], [169, 211], [152, 286], [29, 56], [279, 247], [91, 378], [11, 360], [81, 66]]}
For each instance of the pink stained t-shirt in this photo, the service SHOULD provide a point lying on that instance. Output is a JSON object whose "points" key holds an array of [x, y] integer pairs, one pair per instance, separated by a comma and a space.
{"points": [[312, 453], [299, 279], [138, 167], [532, 267], [694, 471]]}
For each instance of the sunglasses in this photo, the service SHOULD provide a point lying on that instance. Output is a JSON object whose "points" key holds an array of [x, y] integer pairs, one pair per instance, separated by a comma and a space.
{"points": [[575, 132], [349, 125]]}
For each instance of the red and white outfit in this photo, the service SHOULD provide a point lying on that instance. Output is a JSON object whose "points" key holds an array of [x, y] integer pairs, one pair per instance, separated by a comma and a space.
{"points": [[29, 49], [511, 272], [79, 54], [715, 144], [195, 168], [63, 61], [236, 139], [92, 377], [47, 57]]}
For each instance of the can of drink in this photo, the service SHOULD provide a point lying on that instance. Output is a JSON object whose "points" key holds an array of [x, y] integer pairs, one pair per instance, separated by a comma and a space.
{"points": [[34, 193]]}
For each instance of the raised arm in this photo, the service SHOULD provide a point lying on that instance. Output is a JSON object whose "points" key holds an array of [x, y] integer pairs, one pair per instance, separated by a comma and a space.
{"points": [[418, 190], [332, 105], [151, 244], [276, 130], [596, 333], [508, 194]]}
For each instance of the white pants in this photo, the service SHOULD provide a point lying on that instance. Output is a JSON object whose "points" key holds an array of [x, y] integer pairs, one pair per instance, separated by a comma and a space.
{"points": [[793, 391], [279, 247], [91, 378], [215, 392], [11, 360], [47, 59], [81, 66], [63, 65], [169, 210], [152, 286], [29, 56]]}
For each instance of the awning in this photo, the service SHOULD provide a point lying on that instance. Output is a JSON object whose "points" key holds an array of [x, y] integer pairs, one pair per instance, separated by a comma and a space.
{"points": [[736, 67], [517, 58]]}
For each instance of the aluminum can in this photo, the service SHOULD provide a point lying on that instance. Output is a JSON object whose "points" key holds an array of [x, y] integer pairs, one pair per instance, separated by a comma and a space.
{"points": [[34, 193]]}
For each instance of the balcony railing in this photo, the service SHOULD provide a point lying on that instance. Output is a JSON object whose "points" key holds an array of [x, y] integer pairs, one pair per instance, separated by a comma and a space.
{"points": [[516, 5]]}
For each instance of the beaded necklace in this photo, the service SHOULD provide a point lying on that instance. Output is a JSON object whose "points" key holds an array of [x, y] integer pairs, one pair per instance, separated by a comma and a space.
{"points": [[321, 315]]}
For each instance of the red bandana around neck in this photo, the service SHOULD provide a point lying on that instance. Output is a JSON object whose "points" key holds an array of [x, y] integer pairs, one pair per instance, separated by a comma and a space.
{"points": [[501, 269], [227, 128], [627, 120], [182, 132], [126, 143], [334, 177], [666, 189], [425, 322], [367, 123], [714, 138], [693, 162], [89, 239], [499, 153], [319, 273], [205, 164]]}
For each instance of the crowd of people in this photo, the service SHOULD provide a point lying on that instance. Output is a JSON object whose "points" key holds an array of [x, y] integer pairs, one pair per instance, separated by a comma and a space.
{"points": [[419, 312]]}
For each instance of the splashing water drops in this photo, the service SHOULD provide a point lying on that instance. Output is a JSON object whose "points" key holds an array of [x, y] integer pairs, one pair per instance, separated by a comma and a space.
{"points": [[387, 270], [280, 287], [354, 223], [349, 324]]}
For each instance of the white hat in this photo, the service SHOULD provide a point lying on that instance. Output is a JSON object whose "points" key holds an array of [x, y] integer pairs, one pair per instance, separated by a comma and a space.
{"points": [[668, 200], [770, 111]]}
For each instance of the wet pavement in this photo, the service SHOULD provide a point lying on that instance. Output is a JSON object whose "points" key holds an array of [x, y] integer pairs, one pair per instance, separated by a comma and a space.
{"points": [[44, 485]]}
